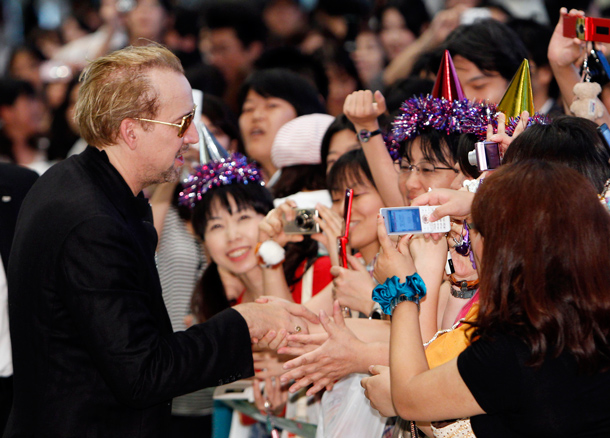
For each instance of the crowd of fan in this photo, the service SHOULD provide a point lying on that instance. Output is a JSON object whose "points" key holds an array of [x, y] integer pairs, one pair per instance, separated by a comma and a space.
{"points": [[289, 84]]}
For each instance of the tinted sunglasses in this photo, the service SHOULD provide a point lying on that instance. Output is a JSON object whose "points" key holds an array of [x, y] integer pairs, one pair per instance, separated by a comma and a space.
{"points": [[182, 126]]}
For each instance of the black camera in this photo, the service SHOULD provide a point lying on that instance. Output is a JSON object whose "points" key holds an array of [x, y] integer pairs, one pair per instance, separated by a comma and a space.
{"points": [[303, 223], [599, 69]]}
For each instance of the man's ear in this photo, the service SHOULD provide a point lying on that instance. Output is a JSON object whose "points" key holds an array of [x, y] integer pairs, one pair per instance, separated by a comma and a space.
{"points": [[128, 132]]}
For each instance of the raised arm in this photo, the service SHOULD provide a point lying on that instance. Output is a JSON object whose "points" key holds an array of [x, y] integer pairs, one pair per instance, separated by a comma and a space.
{"points": [[443, 23], [563, 54], [362, 108]]}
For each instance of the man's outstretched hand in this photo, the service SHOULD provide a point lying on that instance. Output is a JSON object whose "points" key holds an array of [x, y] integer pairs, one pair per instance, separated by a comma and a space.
{"points": [[272, 313]]}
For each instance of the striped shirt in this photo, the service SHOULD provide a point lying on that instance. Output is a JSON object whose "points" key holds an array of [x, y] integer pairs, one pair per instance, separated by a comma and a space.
{"points": [[181, 262]]}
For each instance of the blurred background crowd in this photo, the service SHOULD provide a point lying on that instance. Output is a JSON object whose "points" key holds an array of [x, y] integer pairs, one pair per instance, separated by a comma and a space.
{"points": [[339, 46], [277, 76]]}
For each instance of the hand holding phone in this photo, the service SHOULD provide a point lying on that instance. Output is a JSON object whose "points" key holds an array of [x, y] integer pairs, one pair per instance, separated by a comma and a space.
{"points": [[586, 28], [393, 258], [343, 241], [347, 217], [413, 220]]}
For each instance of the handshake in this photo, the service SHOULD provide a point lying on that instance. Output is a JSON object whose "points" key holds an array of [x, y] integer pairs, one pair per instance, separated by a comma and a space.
{"points": [[269, 315]]}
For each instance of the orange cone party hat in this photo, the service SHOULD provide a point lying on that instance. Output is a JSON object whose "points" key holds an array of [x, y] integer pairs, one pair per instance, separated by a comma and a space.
{"points": [[447, 84], [518, 96]]}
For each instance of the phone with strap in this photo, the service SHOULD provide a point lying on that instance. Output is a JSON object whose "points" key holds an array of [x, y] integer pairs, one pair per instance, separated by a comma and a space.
{"points": [[343, 241], [347, 216]]}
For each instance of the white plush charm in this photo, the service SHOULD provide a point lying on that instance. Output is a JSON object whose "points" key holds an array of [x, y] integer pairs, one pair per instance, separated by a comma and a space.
{"points": [[270, 253], [586, 104]]}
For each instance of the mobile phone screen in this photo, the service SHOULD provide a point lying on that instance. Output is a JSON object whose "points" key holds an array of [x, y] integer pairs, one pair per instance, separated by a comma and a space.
{"points": [[404, 221]]}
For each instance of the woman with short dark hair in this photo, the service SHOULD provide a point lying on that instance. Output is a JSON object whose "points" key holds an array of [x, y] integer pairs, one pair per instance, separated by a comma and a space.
{"points": [[268, 99]]}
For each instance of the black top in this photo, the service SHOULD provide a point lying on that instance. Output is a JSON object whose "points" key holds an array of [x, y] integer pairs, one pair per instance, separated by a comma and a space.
{"points": [[15, 181], [520, 401], [93, 348]]}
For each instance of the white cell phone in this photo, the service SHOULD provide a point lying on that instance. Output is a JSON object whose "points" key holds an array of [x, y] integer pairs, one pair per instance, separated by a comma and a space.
{"points": [[413, 220]]}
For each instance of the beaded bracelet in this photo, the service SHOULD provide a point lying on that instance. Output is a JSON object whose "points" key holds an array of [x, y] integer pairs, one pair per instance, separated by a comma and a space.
{"points": [[390, 293]]}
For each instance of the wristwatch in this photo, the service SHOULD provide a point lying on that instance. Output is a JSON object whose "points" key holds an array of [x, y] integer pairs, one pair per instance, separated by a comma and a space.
{"points": [[365, 135], [376, 313]]}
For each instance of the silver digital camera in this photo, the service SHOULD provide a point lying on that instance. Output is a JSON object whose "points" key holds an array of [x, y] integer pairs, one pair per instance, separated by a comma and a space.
{"points": [[486, 155], [303, 223]]}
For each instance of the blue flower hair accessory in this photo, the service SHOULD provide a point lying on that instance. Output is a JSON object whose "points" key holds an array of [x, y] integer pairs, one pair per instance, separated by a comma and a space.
{"points": [[391, 291], [234, 169]]}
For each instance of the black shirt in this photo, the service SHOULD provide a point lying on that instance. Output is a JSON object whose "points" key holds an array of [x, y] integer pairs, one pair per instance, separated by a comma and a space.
{"points": [[520, 401], [94, 351]]}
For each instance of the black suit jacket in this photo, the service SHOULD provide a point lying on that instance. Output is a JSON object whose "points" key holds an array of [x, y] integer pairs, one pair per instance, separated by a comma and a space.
{"points": [[93, 348], [15, 181]]}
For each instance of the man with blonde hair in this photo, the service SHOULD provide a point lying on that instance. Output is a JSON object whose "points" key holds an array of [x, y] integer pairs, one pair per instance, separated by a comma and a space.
{"points": [[94, 352]]}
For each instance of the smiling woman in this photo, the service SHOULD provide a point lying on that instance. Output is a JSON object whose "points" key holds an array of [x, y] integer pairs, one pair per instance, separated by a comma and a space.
{"points": [[352, 171], [230, 233], [428, 161], [225, 214]]}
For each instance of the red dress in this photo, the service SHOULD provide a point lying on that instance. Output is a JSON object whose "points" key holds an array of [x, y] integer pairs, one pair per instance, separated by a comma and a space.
{"points": [[321, 278]]}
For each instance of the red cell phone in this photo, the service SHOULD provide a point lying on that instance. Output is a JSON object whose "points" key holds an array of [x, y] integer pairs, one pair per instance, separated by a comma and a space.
{"points": [[347, 216], [586, 28]]}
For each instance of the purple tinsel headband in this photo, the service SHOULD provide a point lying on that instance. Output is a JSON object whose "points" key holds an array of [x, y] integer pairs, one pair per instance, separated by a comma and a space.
{"points": [[451, 116], [419, 114], [231, 170]]}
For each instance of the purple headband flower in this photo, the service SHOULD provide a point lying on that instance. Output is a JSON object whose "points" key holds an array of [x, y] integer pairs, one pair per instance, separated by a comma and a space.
{"points": [[451, 116], [419, 114], [536, 119], [234, 169]]}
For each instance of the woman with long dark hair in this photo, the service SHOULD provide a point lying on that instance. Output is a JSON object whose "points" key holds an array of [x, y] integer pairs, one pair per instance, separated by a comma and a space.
{"points": [[540, 357], [226, 210]]}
